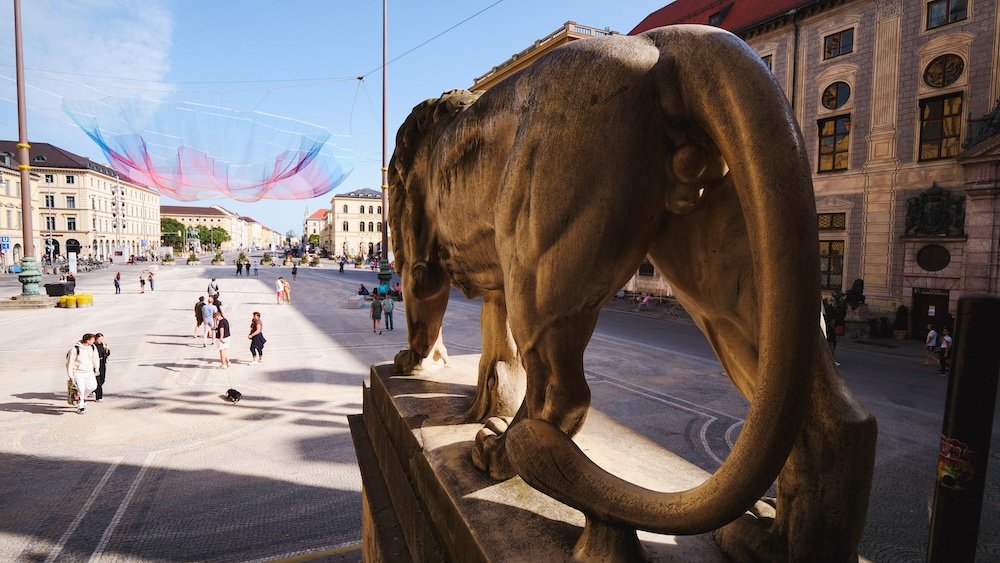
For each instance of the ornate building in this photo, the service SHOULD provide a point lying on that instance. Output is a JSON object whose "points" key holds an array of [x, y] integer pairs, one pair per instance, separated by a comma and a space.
{"points": [[897, 101], [356, 223]]}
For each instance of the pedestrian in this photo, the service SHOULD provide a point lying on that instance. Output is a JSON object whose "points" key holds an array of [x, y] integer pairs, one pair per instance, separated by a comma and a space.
{"points": [[944, 351], [208, 312], [376, 312], [279, 289], [213, 289], [118, 283], [218, 302], [152, 285], [387, 307], [287, 290], [142, 283], [255, 268], [198, 319], [223, 334], [239, 268], [103, 351], [931, 343], [342, 261], [82, 365], [295, 271], [257, 339]]}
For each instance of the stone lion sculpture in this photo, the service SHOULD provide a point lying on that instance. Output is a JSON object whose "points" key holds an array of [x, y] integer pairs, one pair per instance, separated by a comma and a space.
{"points": [[677, 144]]}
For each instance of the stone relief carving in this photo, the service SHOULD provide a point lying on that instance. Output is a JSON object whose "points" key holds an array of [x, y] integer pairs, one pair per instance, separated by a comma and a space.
{"points": [[936, 211], [886, 9], [545, 193]]}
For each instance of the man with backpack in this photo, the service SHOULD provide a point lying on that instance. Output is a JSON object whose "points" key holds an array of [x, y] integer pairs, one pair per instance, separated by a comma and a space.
{"points": [[82, 366]]}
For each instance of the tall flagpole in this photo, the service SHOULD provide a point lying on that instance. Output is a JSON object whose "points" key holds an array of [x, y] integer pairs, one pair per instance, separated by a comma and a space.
{"points": [[30, 276], [385, 274]]}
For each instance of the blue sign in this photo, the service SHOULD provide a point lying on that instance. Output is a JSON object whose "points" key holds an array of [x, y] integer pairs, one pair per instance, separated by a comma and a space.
{"points": [[4, 246], [4, 239]]}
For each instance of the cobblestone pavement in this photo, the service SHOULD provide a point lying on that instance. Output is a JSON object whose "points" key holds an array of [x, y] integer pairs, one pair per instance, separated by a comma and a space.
{"points": [[163, 469]]}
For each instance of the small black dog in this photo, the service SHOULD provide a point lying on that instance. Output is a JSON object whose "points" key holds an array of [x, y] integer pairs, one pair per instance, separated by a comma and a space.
{"points": [[233, 396]]}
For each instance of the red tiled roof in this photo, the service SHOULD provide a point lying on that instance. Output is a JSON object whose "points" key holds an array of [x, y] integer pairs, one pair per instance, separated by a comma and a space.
{"points": [[321, 214], [168, 210], [737, 15], [249, 219]]}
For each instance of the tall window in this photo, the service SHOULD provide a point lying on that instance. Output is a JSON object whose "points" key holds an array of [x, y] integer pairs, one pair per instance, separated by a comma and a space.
{"points": [[50, 223], [831, 264], [70, 202], [50, 200], [70, 179], [345, 208], [345, 226], [371, 227], [49, 178], [362, 226], [380, 210], [834, 141], [362, 210], [370, 209], [71, 223], [379, 226], [839, 43], [943, 12], [940, 126], [832, 221]]}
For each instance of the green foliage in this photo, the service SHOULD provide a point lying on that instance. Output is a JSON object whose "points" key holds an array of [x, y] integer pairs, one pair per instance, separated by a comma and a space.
{"points": [[314, 261], [214, 235], [192, 257], [242, 257], [169, 229], [314, 239], [218, 257], [266, 259], [168, 257]]}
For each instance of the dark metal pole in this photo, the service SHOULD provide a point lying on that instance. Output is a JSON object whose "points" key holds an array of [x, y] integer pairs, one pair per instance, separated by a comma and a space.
{"points": [[966, 432], [384, 273]]}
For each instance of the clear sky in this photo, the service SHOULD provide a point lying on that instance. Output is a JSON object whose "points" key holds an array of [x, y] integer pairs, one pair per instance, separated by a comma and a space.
{"points": [[299, 59]]}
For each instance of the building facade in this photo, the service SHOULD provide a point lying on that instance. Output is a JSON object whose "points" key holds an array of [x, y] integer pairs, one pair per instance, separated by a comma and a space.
{"points": [[357, 223], [194, 216], [87, 208], [12, 250], [897, 102], [314, 225]]}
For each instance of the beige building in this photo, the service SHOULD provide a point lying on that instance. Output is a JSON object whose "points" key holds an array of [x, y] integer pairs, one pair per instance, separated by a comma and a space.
{"points": [[897, 101], [195, 216], [356, 223], [314, 225], [11, 237], [84, 207]]}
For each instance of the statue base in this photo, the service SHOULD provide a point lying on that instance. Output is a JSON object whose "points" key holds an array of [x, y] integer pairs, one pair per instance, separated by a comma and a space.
{"points": [[423, 500]]}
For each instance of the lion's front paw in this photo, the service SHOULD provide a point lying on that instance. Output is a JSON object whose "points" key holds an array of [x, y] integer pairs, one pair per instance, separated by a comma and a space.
{"points": [[489, 453], [406, 361], [749, 538]]}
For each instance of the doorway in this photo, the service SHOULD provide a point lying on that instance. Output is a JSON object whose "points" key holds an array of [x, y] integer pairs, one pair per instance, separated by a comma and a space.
{"points": [[930, 306]]}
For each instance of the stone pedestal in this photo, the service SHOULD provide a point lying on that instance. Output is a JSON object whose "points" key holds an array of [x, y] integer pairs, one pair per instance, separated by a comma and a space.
{"points": [[424, 501]]}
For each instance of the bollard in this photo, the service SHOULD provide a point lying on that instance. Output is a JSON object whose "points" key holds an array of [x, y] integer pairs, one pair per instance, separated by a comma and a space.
{"points": [[966, 432]]}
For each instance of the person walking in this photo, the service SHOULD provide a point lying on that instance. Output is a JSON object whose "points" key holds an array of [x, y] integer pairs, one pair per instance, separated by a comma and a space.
{"points": [[223, 334], [255, 269], [213, 289], [208, 312], [103, 351], [342, 261], [142, 283], [279, 289], [944, 351], [198, 319], [239, 267], [376, 312], [295, 271], [257, 339], [931, 343], [152, 284], [387, 307], [82, 365], [118, 283]]}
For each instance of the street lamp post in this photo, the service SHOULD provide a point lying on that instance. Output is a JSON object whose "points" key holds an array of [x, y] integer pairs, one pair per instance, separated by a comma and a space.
{"points": [[30, 276], [384, 273]]}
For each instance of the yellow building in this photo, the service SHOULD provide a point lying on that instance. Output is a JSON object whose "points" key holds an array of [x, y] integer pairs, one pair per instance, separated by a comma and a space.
{"points": [[357, 223], [11, 237]]}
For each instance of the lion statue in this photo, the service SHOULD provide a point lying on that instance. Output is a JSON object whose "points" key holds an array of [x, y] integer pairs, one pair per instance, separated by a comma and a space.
{"points": [[678, 145]]}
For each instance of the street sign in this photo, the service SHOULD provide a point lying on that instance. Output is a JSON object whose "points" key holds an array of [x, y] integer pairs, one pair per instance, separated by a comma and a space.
{"points": [[4, 246], [4, 239]]}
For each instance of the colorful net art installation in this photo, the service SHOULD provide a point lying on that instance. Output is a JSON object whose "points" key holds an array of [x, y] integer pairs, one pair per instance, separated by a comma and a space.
{"points": [[191, 152]]}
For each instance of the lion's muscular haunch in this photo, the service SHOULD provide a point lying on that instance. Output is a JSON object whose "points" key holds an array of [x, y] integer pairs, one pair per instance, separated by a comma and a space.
{"points": [[544, 194]]}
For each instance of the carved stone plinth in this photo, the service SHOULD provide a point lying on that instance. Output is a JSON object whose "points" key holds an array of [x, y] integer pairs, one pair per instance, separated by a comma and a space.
{"points": [[424, 501]]}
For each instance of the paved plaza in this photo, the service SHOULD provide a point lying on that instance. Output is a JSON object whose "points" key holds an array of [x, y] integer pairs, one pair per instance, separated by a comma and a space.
{"points": [[164, 470]]}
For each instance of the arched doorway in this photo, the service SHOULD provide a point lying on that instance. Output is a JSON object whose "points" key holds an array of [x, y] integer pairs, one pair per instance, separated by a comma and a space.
{"points": [[51, 248], [17, 252], [72, 245]]}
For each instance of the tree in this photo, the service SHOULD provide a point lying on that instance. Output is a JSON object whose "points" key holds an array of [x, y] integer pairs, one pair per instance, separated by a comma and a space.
{"points": [[213, 236], [314, 239], [169, 228]]}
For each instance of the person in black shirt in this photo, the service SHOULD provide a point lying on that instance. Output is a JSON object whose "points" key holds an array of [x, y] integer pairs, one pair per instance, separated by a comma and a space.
{"points": [[222, 334], [103, 351]]}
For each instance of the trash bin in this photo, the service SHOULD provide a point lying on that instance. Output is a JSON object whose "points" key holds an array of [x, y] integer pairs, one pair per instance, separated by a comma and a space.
{"points": [[59, 288]]}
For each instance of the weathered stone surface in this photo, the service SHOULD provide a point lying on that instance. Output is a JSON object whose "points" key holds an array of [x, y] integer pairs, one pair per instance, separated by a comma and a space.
{"points": [[422, 450]]}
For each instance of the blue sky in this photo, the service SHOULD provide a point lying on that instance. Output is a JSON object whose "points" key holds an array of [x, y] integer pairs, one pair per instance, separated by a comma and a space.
{"points": [[296, 58]]}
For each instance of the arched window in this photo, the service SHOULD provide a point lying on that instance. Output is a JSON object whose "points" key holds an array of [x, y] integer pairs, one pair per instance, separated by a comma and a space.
{"points": [[362, 209], [370, 210], [371, 226], [379, 225], [380, 210], [345, 210], [345, 226], [362, 226]]}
